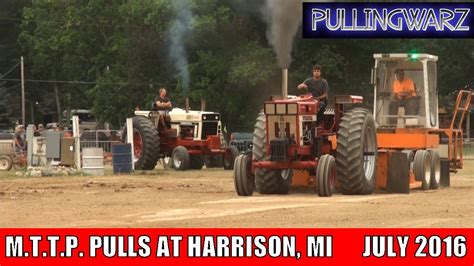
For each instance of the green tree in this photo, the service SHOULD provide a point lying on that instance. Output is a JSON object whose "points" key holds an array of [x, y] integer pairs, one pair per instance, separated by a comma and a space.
{"points": [[10, 107]]}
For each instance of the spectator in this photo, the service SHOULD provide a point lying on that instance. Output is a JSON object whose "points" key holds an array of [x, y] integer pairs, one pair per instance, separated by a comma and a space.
{"points": [[20, 143], [40, 129]]}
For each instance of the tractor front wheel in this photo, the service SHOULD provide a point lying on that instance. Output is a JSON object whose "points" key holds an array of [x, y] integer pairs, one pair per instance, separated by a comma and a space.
{"points": [[326, 175], [244, 180], [180, 159]]}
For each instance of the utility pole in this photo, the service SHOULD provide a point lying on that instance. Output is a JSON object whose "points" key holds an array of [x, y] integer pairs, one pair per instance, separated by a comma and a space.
{"points": [[23, 114]]}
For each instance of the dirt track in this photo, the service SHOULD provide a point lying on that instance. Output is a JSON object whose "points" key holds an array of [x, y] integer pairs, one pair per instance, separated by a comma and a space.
{"points": [[207, 199]]}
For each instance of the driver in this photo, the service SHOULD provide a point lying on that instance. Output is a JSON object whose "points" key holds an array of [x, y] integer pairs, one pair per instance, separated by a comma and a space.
{"points": [[163, 105], [318, 87], [404, 91]]}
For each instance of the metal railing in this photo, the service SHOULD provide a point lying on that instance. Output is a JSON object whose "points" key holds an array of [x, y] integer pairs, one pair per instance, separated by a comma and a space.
{"points": [[99, 139], [468, 149], [105, 145]]}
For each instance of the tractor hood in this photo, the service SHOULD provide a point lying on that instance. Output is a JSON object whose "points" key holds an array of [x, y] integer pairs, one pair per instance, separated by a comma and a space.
{"points": [[296, 99], [180, 115]]}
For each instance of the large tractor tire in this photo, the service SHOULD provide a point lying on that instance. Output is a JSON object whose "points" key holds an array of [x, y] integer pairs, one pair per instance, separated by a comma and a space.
{"points": [[422, 168], [356, 152], [244, 180], [180, 159], [146, 143], [229, 157], [268, 181]]}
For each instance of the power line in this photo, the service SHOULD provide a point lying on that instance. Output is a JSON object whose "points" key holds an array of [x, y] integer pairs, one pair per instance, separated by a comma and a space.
{"points": [[53, 81], [88, 20], [33, 20], [9, 71], [84, 82], [13, 87], [10, 19]]}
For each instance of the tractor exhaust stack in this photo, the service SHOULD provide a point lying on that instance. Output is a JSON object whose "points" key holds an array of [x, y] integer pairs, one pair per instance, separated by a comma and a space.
{"points": [[284, 84], [186, 104], [203, 105]]}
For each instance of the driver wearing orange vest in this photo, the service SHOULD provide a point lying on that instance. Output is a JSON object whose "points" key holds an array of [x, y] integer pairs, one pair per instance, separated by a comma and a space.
{"points": [[404, 92], [403, 87]]}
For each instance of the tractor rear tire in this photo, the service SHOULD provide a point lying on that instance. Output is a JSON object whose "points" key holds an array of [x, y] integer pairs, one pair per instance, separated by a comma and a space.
{"points": [[357, 152], [326, 175], [181, 160], [244, 180], [268, 181], [435, 170], [6, 163], [214, 161], [422, 168], [196, 162], [150, 143], [229, 157]]}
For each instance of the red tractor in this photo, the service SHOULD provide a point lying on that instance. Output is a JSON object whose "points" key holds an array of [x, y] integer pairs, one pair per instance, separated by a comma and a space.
{"points": [[288, 136], [189, 139]]}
